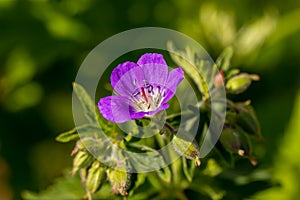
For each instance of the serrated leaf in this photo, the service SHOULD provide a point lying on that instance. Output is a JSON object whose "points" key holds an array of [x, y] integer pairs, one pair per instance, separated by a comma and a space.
{"points": [[149, 160], [195, 67], [86, 102]]}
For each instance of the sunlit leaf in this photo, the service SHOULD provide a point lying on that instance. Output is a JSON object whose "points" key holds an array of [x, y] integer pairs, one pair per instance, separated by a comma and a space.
{"points": [[68, 136], [201, 71], [149, 161], [86, 102], [79, 132]]}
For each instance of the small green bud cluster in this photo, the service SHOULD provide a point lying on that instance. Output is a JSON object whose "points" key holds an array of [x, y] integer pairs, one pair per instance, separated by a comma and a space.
{"points": [[241, 122]]}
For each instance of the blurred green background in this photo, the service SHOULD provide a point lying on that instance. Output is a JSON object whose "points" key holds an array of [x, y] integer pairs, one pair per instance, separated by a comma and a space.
{"points": [[44, 42]]}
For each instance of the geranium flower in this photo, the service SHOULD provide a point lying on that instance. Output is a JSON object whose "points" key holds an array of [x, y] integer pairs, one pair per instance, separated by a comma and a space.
{"points": [[142, 88]]}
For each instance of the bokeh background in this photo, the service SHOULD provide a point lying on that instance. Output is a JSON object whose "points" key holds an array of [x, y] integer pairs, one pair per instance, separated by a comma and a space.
{"points": [[42, 44]]}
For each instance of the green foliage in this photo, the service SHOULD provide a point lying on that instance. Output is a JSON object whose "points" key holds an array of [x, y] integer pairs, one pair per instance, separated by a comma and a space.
{"points": [[240, 123], [68, 136], [196, 68], [86, 103], [66, 187], [43, 42]]}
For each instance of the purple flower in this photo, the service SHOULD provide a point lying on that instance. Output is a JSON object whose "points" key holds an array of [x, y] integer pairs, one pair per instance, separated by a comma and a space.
{"points": [[143, 89]]}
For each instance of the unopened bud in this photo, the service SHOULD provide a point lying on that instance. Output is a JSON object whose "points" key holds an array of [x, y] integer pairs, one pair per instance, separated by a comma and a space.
{"points": [[120, 180], [82, 159], [247, 120], [230, 140], [219, 79], [188, 149], [234, 140], [83, 144], [95, 178], [239, 83]]}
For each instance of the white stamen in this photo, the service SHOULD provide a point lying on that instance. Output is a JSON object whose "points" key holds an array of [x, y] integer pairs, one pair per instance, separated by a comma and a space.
{"points": [[147, 98]]}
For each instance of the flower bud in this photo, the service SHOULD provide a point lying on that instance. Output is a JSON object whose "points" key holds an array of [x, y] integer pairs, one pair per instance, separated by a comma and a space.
{"points": [[81, 160], [234, 141], [219, 79], [188, 149], [120, 180], [95, 178], [247, 120], [239, 83]]}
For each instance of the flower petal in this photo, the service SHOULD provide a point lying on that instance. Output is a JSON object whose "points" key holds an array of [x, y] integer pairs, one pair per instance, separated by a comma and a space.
{"points": [[117, 109], [155, 68], [160, 108], [174, 78], [126, 77], [120, 70], [151, 58]]}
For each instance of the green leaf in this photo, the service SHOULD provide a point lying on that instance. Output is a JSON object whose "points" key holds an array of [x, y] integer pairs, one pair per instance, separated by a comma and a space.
{"points": [[212, 168], [86, 102], [142, 184], [201, 71], [68, 136], [223, 61], [188, 169], [66, 187], [165, 174], [152, 160], [86, 130]]}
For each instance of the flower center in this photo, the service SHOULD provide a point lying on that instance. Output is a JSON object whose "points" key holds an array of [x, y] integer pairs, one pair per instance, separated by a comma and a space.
{"points": [[147, 98]]}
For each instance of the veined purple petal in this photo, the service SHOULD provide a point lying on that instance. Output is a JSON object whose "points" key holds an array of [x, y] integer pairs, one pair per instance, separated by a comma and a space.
{"points": [[160, 108], [155, 73], [126, 78], [144, 89], [119, 71], [117, 109], [174, 78], [155, 68], [152, 58]]}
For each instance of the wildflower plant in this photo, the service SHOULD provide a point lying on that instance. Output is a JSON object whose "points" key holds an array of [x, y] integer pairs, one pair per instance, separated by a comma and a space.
{"points": [[138, 144]]}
